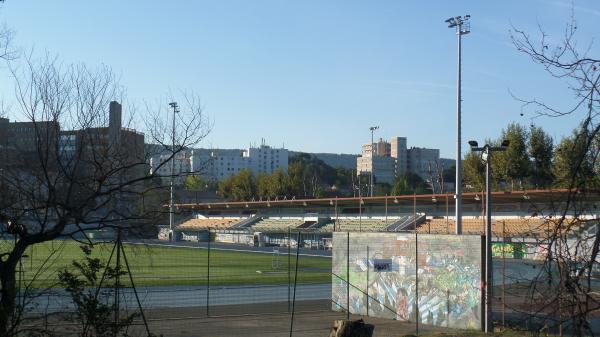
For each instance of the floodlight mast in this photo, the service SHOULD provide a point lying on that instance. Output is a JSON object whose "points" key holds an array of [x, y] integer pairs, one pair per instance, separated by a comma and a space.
{"points": [[372, 128], [462, 27], [486, 156], [171, 214]]}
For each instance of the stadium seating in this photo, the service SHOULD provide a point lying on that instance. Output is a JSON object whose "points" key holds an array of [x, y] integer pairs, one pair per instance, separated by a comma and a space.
{"points": [[365, 225], [323, 227], [276, 224], [208, 223], [511, 227]]}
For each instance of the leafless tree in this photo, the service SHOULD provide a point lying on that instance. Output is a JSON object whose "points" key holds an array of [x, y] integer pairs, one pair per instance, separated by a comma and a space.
{"points": [[70, 168], [564, 293]]}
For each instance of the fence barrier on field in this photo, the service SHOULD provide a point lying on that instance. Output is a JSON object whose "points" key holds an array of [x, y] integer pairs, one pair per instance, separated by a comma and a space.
{"points": [[406, 280]]}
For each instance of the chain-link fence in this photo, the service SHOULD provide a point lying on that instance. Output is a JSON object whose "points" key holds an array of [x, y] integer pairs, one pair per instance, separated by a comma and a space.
{"points": [[168, 284], [403, 282]]}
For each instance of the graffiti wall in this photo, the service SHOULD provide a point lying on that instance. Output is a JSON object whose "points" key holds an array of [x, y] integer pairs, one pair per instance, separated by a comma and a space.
{"points": [[509, 250], [383, 268]]}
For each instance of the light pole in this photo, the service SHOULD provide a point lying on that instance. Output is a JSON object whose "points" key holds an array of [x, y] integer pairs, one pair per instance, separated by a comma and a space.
{"points": [[372, 128], [486, 156], [462, 27], [175, 110]]}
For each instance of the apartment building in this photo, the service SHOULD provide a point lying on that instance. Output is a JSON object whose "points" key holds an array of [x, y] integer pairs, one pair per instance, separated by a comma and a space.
{"points": [[388, 160], [219, 164]]}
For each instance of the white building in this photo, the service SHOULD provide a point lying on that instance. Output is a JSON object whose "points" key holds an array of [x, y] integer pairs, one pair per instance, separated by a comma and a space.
{"points": [[160, 165], [423, 161], [219, 164], [383, 168], [393, 159], [399, 152], [265, 159]]}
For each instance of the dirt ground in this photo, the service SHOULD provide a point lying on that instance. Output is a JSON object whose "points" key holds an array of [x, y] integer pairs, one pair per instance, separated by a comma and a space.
{"points": [[312, 319]]}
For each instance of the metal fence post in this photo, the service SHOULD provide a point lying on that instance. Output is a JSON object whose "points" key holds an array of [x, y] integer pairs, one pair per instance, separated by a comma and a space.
{"points": [[289, 268], [348, 276], [386, 210], [360, 214], [447, 308], [208, 276], [117, 307], [416, 263], [367, 284], [416, 276], [295, 283], [504, 274]]}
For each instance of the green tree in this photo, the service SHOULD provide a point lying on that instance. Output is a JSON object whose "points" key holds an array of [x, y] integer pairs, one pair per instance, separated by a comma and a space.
{"points": [[243, 186], [263, 182], [224, 188], [474, 172], [239, 187], [573, 165], [540, 151], [294, 178], [512, 164], [343, 178], [278, 183], [409, 183], [195, 183], [82, 281], [383, 189]]}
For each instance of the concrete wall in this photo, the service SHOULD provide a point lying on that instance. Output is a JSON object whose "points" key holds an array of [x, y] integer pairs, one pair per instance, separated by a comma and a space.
{"points": [[383, 269]]}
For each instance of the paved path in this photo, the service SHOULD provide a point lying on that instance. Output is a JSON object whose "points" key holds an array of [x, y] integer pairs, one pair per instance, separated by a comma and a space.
{"points": [[192, 296], [232, 247]]}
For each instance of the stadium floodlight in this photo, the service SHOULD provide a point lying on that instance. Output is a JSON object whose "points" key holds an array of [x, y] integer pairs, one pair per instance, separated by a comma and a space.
{"points": [[171, 213], [486, 155], [462, 27], [372, 128]]}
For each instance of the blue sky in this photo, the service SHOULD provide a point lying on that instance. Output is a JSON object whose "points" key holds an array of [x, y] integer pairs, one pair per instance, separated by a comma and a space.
{"points": [[314, 74]]}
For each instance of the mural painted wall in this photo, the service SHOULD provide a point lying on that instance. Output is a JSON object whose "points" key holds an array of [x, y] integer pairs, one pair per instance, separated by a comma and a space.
{"points": [[382, 269], [509, 250]]}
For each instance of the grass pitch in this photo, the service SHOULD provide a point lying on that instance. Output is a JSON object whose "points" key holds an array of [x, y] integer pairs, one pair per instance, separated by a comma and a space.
{"points": [[167, 266]]}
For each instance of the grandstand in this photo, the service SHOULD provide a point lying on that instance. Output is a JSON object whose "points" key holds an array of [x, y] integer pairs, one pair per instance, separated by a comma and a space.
{"points": [[276, 224], [208, 223], [515, 215], [523, 227]]}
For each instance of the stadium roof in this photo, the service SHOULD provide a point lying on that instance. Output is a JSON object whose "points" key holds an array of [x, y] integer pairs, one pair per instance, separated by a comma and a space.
{"points": [[533, 196]]}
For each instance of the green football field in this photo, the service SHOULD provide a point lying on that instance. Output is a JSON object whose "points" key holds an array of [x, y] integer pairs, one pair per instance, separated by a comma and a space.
{"points": [[164, 266]]}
